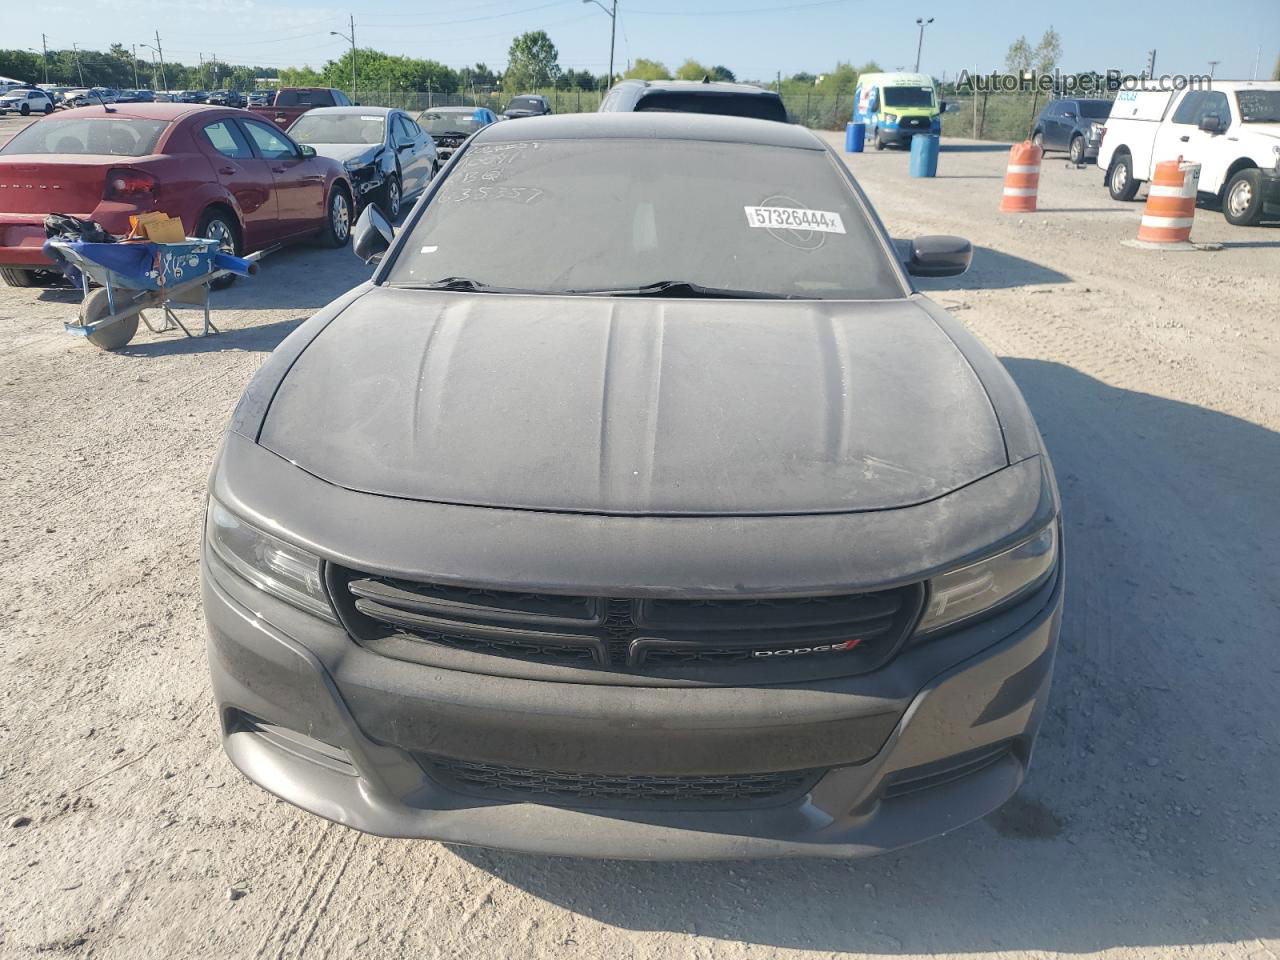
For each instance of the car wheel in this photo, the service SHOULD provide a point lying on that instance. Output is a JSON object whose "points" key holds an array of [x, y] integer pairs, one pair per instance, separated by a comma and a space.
{"points": [[48, 109], [337, 225], [1076, 152], [18, 277], [391, 198], [879, 141], [1242, 198], [1120, 182], [96, 306], [1038, 139], [25, 109], [220, 226]]}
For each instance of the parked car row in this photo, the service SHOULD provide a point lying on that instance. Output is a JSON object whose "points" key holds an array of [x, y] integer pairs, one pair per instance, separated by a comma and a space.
{"points": [[228, 175]]}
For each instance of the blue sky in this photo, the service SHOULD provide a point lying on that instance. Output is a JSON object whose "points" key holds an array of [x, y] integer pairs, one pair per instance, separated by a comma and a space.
{"points": [[754, 38]]}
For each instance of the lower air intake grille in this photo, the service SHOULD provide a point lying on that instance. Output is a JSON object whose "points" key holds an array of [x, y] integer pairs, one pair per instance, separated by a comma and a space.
{"points": [[615, 790]]}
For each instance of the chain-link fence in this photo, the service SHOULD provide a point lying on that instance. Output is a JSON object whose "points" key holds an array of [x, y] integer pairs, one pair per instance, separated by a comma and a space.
{"points": [[1002, 116]]}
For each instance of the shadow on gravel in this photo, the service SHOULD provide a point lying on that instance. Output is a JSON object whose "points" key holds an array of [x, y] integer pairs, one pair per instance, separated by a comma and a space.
{"points": [[1149, 820], [260, 339], [990, 270]]}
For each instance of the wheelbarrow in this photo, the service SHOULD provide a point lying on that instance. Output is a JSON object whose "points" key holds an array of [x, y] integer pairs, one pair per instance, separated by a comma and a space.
{"points": [[142, 275]]}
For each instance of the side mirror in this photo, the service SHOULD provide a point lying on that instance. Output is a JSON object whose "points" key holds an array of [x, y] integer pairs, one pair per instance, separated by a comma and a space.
{"points": [[940, 256], [1212, 123], [1069, 114], [372, 235], [307, 150]]}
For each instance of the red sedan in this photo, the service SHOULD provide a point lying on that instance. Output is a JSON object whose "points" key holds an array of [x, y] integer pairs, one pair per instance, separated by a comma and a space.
{"points": [[226, 174]]}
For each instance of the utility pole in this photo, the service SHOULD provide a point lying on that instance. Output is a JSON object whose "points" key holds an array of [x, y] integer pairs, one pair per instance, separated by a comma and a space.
{"points": [[1151, 64], [160, 54], [79, 70], [44, 55], [613, 33], [133, 51], [352, 38], [921, 22], [1213, 65]]}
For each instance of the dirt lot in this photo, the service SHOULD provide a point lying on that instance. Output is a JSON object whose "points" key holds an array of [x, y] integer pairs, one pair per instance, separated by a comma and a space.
{"points": [[1150, 826]]}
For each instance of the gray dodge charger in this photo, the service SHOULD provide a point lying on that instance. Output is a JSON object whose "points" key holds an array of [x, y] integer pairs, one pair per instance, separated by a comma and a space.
{"points": [[638, 506]]}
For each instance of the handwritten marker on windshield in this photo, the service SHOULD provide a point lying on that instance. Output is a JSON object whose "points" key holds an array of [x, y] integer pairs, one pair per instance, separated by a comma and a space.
{"points": [[1022, 178]]}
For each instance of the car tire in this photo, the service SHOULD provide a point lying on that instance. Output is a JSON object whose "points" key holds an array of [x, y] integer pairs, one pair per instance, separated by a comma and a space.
{"points": [[219, 225], [18, 277], [48, 109], [1242, 198], [1038, 139], [98, 305], [1120, 182], [1076, 151], [337, 222], [879, 141], [25, 109], [392, 198]]}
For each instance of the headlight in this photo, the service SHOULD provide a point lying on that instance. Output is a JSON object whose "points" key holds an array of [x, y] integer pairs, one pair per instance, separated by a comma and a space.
{"points": [[1275, 152], [979, 587], [1095, 130], [279, 568], [890, 118]]}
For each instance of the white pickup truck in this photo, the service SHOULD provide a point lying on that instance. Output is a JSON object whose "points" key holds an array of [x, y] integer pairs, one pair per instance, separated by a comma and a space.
{"points": [[1232, 129]]}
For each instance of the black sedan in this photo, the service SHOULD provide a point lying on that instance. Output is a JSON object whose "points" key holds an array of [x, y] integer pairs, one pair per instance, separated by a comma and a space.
{"points": [[386, 154], [1072, 125], [527, 105], [638, 506], [450, 126]]}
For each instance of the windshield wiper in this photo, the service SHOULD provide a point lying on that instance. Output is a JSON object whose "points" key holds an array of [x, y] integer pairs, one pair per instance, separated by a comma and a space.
{"points": [[464, 284], [684, 288]]}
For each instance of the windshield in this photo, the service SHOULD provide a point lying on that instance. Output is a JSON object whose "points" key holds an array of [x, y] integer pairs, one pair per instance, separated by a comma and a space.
{"points": [[98, 135], [450, 121], [339, 128], [1095, 109], [1259, 106], [769, 221], [908, 96], [759, 106], [525, 103]]}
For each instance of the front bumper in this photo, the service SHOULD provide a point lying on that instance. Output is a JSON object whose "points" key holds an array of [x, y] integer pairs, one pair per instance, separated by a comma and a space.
{"points": [[1271, 192], [939, 737]]}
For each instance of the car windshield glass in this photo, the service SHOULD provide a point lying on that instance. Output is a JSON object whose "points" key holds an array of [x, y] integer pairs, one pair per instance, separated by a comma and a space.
{"points": [[1095, 110], [445, 121], [104, 135], [577, 216], [761, 107], [339, 128], [525, 103], [908, 97], [1259, 106]]}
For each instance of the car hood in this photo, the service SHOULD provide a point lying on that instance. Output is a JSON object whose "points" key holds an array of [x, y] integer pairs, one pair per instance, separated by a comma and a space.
{"points": [[347, 151], [513, 114], [636, 406]]}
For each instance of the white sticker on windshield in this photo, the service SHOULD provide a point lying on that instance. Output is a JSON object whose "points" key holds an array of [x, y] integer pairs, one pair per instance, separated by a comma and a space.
{"points": [[371, 117], [432, 248], [794, 218]]}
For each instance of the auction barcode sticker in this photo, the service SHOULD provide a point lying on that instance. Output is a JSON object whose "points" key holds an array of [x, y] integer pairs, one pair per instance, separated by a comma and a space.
{"points": [[794, 218]]}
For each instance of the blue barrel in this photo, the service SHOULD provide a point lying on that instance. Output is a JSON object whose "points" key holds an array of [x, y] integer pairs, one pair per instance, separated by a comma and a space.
{"points": [[855, 137], [924, 154]]}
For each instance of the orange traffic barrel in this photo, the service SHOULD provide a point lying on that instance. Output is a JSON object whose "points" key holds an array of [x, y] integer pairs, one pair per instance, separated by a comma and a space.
{"points": [[1171, 203], [1022, 178]]}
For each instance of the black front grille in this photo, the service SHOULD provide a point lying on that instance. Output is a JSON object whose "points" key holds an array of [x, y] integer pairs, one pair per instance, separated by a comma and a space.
{"points": [[628, 634], [617, 790]]}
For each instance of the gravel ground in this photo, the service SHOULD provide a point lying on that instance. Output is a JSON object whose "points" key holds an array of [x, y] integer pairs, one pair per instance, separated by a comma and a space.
{"points": [[1149, 826]]}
